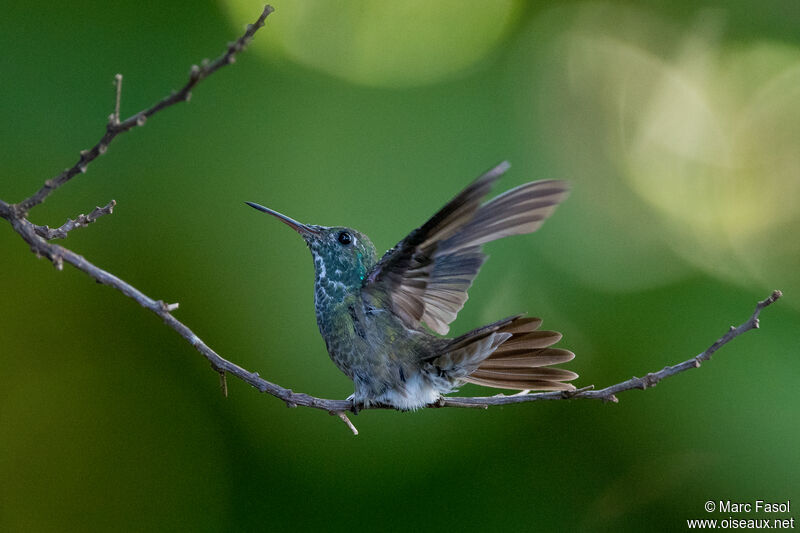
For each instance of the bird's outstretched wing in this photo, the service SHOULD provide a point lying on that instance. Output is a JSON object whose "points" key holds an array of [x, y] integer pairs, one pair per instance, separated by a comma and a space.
{"points": [[425, 277]]}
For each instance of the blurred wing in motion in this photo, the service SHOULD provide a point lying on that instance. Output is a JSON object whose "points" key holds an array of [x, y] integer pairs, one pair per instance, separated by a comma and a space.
{"points": [[425, 277]]}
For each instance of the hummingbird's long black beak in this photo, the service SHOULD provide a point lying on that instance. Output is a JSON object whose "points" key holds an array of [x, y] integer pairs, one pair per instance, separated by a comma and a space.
{"points": [[302, 229]]}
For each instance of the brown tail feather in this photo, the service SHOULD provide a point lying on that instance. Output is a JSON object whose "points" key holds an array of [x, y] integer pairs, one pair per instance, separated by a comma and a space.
{"points": [[523, 361], [550, 356], [540, 385], [526, 342]]}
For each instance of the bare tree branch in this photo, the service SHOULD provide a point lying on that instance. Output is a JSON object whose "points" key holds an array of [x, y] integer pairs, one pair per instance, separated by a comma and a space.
{"points": [[37, 238], [115, 127], [608, 394], [339, 407]]}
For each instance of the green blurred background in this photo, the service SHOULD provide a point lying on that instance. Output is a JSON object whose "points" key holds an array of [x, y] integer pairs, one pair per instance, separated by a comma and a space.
{"points": [[678, 124]]}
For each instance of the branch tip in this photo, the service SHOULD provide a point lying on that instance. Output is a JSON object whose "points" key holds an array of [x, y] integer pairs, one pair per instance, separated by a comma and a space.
{"points": [[223, 382], [343, 416], [118, 83]]}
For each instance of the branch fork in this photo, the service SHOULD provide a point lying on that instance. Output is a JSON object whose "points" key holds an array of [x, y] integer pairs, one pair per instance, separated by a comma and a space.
{"points": [[81, 221]]}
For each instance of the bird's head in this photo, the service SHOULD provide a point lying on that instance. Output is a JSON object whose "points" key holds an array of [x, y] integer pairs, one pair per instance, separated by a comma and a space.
{"points": [[341, 255]]}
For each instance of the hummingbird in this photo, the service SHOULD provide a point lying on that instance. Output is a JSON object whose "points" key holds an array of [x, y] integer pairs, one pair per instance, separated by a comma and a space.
{"points": [[385, 321]]}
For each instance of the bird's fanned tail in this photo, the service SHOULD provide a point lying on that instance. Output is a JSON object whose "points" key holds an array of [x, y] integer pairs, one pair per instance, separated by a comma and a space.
{"points": [[521, 361]]}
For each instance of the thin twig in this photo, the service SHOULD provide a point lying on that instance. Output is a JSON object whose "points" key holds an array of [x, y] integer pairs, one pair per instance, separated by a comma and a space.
{"points": [[80, 221], [118, 84], [609, 393], [343, 416], [115, 127], [223, 383]]}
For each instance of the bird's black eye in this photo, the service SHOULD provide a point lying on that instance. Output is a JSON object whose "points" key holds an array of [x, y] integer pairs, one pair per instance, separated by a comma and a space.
{"points": [[345, 238]]}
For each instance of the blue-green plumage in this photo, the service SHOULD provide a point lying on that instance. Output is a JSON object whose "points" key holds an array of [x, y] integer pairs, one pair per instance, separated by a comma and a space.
{"points": [[370, 312]]}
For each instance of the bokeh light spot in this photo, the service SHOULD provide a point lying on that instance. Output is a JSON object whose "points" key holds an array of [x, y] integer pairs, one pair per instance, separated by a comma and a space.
{"points": [[377, 43], [704, 131]]}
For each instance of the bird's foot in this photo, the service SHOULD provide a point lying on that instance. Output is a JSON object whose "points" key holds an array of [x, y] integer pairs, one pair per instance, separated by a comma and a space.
{"points": [[357, 406]]}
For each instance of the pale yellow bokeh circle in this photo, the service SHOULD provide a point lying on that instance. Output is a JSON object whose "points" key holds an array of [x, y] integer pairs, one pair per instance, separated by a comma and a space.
{"points": [[381, 43], [705, 132]]}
